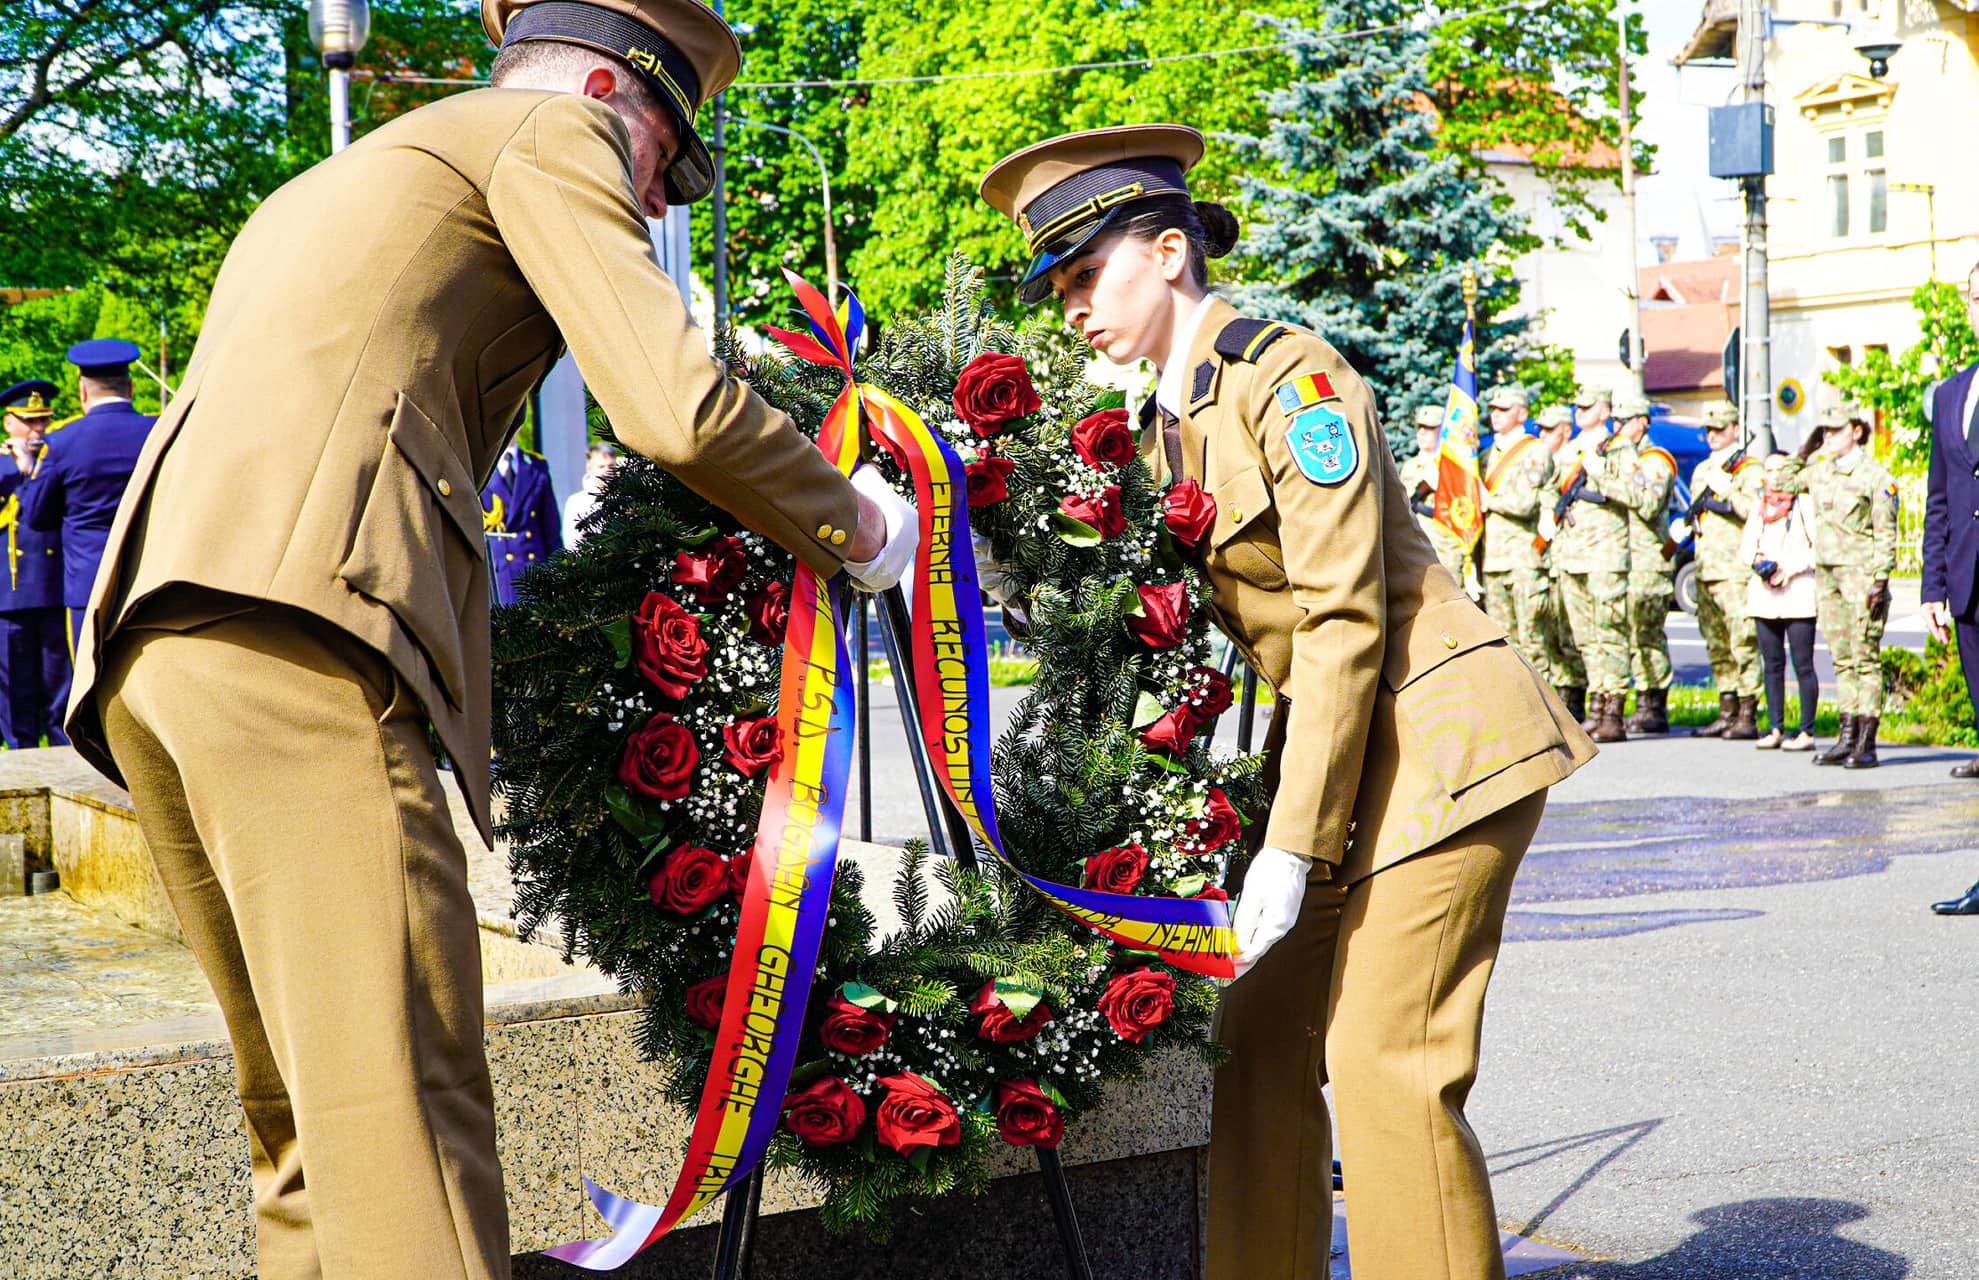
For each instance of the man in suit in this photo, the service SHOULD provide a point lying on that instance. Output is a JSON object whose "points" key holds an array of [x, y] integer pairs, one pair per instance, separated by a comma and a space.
{"points": [[34, 636], [84, 466], [296, 587], [519, 512], [1951, 539]]}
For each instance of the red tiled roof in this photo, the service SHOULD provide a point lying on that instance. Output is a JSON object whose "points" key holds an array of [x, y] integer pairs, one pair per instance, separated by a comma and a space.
{"points": [[1700, 281], [1686, 346]]}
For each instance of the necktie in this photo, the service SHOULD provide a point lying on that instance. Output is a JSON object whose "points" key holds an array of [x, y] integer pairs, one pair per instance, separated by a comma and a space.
{"points": [[1171, 444]]}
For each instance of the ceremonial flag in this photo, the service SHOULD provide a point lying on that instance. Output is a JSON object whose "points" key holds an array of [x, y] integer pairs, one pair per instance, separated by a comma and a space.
{"points": [[1458, 490]]}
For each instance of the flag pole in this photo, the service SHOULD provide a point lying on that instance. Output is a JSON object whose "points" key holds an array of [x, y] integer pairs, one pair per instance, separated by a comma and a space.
{"points": [[1471, 569]]}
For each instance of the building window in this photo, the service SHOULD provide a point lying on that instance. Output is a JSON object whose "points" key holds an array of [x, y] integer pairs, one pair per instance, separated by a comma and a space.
{"points": [[1837, 150], [1857, 171], [1838, 205], [1879, 202]]}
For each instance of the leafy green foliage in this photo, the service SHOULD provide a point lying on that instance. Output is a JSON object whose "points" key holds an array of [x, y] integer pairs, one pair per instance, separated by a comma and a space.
{"points": [[1929, 690], [1896, 385]]}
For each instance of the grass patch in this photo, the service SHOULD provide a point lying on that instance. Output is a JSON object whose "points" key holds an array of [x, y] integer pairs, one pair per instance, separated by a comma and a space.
{"points": [[1008, 667], [1692, 704]]}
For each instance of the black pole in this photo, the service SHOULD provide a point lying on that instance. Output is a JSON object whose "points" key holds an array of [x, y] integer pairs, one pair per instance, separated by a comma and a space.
{"points": [[740, 1210], [942, 815], [865, 702], [1248, 710], [1077, 1265]]}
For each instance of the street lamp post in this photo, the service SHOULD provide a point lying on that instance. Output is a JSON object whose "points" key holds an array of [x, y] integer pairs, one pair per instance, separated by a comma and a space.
{"points": [[1638, 352], [824, 177], [338, 29]]}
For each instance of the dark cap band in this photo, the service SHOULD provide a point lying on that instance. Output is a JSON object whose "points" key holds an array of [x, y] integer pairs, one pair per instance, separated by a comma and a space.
{"points": [[658, 62], [1063, 219]]}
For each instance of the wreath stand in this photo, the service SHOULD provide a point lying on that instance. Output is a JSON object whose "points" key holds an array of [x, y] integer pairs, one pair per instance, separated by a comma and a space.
{"points": [[949, 837]]}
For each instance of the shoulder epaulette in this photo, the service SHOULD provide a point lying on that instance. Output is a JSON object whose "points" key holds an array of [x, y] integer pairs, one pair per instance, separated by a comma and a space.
{"points": [[1657, 451], [66, 422], [1245, 340]]}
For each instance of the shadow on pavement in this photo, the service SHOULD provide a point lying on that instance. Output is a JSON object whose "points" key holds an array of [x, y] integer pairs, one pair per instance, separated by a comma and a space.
{"points": [[1782, 1238], [1611, 1143]]}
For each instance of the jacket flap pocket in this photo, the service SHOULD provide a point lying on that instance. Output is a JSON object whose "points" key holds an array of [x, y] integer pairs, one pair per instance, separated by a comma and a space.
{"points": [[1240, 500], [1433, 637], [425, 447]]}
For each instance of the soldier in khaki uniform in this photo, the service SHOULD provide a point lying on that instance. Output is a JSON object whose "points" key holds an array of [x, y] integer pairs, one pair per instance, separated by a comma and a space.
{"points": [[288, 598], [1419, 478], [1563, 660], [1852, 505], [1413, 748], [1725, 491], [1646, 494], [1592, 550], [1517, 473]]}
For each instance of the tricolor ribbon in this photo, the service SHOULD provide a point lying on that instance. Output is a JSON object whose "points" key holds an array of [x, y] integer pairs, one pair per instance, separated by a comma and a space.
{"points": [[788, 898]]}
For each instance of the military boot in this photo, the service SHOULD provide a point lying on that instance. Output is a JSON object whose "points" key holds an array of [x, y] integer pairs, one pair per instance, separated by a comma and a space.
{"points": [[1608, 726], [1576, 700], [1653, 705], [1638, 719], [1727, 713], [1863, 756], [1843, 745], [1746, 727]]}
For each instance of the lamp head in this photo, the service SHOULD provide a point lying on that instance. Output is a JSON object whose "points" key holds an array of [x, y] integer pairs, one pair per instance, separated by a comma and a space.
{"points": [[1876, 43], [338, 29]]}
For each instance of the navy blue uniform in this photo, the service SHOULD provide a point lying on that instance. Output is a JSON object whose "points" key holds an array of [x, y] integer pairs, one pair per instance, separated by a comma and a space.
{"points": [[34, 638], [76, 487], [520, 515]]}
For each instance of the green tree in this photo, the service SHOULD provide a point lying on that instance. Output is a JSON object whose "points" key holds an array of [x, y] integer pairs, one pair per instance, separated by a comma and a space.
{"points": [[1898, 385], [1367, 221]]}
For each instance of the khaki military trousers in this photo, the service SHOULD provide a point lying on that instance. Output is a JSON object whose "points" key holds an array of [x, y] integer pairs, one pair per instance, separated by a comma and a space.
{"points": [[1378, 989], [285, 787]]}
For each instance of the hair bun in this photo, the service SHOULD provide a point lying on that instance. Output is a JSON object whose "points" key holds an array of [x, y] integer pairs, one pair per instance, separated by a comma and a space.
{"points": [[1219, 228]]}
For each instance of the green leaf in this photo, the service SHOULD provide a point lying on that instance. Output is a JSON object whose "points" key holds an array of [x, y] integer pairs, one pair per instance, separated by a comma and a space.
{"points": [[620, 634], [1017, 997], [866, 998], [1147, 710], [1162, 759], [699, 536], [1074, 531], [1190, 886], [1050, 1090], [809, 1071], [921, 1157], [631, 815], [1110, 400]]}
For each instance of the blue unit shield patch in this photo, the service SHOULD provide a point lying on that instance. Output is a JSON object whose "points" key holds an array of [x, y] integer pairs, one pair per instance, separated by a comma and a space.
{"points": [[1323, 445]]}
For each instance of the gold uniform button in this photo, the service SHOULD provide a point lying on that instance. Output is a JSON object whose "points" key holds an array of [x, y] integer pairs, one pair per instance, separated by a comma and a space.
{"points": [[838, 537], [511, 555], [446, 490], [1449, 641], [1236, 516], [824, 532]]}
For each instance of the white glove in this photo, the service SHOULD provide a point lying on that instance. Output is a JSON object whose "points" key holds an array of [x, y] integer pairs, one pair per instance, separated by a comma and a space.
{"points": [[1268, 907], [903, 533], [996, 584]]}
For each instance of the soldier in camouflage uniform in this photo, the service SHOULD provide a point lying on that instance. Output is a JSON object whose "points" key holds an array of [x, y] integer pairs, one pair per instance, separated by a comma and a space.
{"points": [[1563, 662], [1592, 550], [1651, 585], [1852, 506], [1518, 473], [1419, 480], [1725, 491]]}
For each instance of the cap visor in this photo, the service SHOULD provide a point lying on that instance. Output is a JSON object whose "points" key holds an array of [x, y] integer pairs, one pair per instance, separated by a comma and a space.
{"points": [[691, 176], [1035, 287]]}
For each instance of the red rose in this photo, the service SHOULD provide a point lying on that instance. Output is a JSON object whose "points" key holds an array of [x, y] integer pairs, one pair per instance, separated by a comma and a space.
{"points": [[995, 389], [915, 1114], [1189, 513], [769, 613], [1164, 615], [1025, 1117], [823, 1112], [739, 868], [1100, 510], [751, 745], [659, 759], [1210, 690], [1219, 824], [851, 1029], [1117, 870], [667, 646], [987, 479], [1174, 731], [689, 879], [710, 575], [704, 1002], [1103, 439], [1138, 1001], [999, 1025], [1211, 893]]}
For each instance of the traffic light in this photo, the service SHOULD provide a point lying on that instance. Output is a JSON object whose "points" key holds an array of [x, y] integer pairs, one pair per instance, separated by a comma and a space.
{"points": [[1628, 356]]}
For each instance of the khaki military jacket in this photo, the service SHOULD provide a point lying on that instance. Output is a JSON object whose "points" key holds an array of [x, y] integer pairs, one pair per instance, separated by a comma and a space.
{"points": [[1407, 715], [1595, 535], [1853, 512], [1517, 480], [1645, 493], [367, 351], [1737, 481]]}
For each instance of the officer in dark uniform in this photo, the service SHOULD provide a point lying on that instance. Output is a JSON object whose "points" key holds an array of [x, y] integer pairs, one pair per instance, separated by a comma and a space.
{"points": [[519, 514], [34, 639], [84, 466]]}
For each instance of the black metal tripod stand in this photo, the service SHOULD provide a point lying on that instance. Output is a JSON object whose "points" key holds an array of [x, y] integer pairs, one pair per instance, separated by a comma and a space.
{"points": [[949, 836]]}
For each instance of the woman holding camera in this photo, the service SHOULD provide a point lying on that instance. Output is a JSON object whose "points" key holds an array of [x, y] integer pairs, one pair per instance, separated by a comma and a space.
{"points": [[1780, 600], [1852, 509]]}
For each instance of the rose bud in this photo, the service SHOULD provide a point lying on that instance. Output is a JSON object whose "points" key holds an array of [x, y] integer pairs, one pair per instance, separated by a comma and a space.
{"points": [[1117, 870], [999, 1025], [851, 1029], [659, 759], [1025, 1117], [689, 879], [1138, 1001], [915, 1114], [1103, 440], [667, 646], [823, 1112]]}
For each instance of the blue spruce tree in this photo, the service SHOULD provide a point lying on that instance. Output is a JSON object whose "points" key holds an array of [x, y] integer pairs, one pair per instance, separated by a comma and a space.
{"points": [[1362, 223]]}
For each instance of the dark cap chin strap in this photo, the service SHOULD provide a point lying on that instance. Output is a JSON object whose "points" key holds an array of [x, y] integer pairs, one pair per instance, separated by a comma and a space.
{"points": [[654, 59]]}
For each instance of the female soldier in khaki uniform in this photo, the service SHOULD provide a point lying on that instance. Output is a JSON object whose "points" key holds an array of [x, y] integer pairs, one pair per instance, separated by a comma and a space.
{"points": [[1413, 750]]}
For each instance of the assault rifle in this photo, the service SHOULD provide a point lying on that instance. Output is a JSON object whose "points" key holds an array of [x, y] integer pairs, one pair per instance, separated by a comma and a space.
{"points": [[1576, 490]]}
